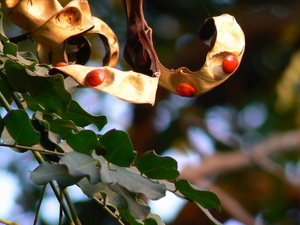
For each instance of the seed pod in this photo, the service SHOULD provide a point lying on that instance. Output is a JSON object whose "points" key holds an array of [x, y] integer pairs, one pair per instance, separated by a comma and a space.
{"points": [[126, 85]]}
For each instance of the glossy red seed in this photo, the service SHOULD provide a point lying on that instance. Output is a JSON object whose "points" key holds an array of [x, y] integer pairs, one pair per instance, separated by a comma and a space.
{"points": [[61, 64], [230, 63], [185, 90], [95, 77]]}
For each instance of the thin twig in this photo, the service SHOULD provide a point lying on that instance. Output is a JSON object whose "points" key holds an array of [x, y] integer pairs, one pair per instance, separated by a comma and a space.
{"points": [[5, 103], [40, 159], [71, 206], [45, 151], [61, 199], [20, 38], [12, 92], [8, 222], [39, 206], [108, 210]]}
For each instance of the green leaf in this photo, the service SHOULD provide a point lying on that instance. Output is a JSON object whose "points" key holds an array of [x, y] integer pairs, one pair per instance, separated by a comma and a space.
{"points": [[10, 49], [157, 167], [49, 91], [119, 148], [114, 199], [85, 142], [81, 165], [149, 221], [59, 126], [53, 96], [81, 118], [19, 80], [153, 219], [5, 92], [132, 181], [2, 34], [104, 169], [208, 214], [48, 140], [19, 127], [138, 211], [137, 183], [202, 196], [29, 56], [32, 104], [90, 189], [47, 172], [126, 215]]}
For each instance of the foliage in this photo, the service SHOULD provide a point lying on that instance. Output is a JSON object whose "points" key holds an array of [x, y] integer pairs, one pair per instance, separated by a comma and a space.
{"points": [[49, 123]]}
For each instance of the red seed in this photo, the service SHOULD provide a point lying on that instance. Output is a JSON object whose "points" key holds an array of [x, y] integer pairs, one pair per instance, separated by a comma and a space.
{"points": [[185, 90], [230, 63], [61, 64], [95, 77]]}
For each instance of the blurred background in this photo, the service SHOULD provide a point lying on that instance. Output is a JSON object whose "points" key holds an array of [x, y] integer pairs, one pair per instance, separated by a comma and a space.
{"points": [[241, 139]]}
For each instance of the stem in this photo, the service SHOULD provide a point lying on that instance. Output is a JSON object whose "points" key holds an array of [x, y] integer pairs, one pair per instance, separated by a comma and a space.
{"points": [[60, 206], [12, 92], [17, 100], [71, 206], [40, 159], [108, 210], [19, 38], [8, 222], [45, 151], [5, 103], [63, 204], [39, 206]]}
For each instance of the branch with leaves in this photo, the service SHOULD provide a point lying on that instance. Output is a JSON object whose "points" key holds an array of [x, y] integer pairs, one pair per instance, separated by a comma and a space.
{"points": [[113, 175], [104, 166]]}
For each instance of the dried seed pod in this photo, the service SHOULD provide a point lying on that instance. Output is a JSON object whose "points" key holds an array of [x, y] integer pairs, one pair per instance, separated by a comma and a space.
{"points": [[126, 85], [51, 25], [227, 40]]}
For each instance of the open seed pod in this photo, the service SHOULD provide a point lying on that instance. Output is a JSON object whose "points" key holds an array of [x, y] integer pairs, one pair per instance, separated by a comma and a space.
{"points": [[82, 55], [109, 40], [126, 85], [228, 43], [73, 19], [31, 14], [51, 25], [222, 33]]}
